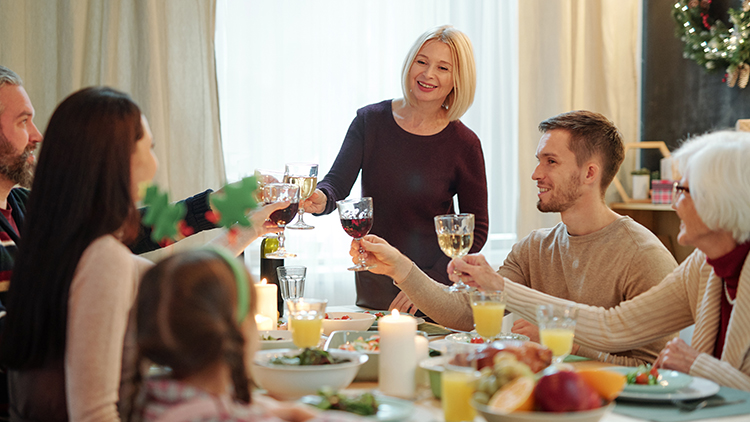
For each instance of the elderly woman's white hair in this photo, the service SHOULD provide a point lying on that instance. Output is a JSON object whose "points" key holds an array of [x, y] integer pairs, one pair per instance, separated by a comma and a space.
{"points": [[717, 169]]}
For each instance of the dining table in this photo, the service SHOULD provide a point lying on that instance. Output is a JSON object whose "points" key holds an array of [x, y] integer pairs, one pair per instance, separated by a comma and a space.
{"points": [[428, 408]]}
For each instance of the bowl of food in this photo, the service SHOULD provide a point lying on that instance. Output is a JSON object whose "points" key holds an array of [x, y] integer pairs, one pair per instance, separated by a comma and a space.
{"points": [[276, 339], [474, 338], [593, 415], [367, 342], [347, 321], [288, 374]]}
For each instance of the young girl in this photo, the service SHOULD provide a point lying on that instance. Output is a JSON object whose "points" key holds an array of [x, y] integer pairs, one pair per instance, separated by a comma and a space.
{"points": [[67, 340], [194, 314]]}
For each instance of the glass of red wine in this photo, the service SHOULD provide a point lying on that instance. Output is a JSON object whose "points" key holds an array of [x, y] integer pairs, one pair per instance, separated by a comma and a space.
{"points": [[279, 192], [356, 219]]}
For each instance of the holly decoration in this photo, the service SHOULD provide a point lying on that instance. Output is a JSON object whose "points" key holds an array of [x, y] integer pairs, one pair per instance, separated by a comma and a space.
{"points": [[712, 43], [231, 206], [162, 216]]}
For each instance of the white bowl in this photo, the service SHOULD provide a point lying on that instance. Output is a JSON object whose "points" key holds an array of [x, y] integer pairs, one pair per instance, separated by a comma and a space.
{"points": [[368, 371], [286, 382], [359, 321], [585, 416], [284, 342]]}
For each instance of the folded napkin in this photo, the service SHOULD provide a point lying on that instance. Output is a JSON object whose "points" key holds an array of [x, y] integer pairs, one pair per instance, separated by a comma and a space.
{"points": [[667, 412]]}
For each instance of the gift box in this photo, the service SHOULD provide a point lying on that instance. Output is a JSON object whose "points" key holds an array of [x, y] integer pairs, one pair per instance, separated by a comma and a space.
{"points": [[661, 191]]}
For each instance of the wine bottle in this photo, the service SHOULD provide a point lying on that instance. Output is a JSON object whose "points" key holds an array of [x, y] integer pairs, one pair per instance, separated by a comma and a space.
{"points": [[268, 267]]}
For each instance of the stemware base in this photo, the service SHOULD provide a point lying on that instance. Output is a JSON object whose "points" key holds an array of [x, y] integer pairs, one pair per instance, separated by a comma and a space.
{"points": [[300, 225], [279, 254], [459, 288], [361, 267]]}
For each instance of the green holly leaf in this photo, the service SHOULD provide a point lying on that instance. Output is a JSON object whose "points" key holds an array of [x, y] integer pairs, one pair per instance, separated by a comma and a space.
{"points": [[235, 202], [162, 216]]}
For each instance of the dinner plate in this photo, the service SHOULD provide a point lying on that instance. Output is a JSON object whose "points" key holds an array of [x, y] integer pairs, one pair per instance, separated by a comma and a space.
{"points": [[697, 389], [390, 409], [375, 324], [669, 381]]}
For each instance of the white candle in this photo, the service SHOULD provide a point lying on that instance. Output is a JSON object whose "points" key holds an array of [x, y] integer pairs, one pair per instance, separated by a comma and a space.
{"points": [[266, 300], [264, 323], [397, 358], [422, 352]]}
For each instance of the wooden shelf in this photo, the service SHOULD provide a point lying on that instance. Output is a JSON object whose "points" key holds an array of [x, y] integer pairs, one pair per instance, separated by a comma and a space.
{"points": [[642, 206]]}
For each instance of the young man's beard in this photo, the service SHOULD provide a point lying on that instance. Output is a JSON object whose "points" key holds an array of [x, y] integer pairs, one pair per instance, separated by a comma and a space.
{"points": [[16, 168], [567, 196]]}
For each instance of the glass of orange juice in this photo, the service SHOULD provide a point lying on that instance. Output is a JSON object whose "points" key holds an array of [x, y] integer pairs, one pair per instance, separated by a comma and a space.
{"points": [[557, 325], [458, 384], [306, 320], [488, 309]]}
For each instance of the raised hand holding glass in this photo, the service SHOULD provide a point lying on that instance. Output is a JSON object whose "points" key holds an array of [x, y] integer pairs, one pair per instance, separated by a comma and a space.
{"points": [[356, 218], [304, 175], [279, 192], [455, 234]]}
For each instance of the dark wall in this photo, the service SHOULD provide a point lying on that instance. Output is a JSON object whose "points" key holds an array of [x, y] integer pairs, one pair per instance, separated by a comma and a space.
{"points": [[679, 97]]}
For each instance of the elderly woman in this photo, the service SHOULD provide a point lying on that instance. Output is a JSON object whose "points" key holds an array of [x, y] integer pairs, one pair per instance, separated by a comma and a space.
{"points": [[710, 289], [415, 155]]}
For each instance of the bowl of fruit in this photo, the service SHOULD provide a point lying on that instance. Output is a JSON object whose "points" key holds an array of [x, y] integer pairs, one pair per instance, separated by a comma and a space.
{"points": [[509, 390], [347, 321]]}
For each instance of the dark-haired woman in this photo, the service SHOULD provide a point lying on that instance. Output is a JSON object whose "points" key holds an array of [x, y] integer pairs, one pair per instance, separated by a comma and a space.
{"points": [[67, 340]]}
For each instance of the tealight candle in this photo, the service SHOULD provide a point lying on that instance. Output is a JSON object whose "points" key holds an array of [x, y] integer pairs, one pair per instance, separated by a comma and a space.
{"points": [[398, 359], [264, 323], [266, 300]]}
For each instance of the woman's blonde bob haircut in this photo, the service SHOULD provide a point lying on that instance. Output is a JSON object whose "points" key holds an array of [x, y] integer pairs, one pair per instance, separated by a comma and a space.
{"points": [[715, 167], [464, 69]]}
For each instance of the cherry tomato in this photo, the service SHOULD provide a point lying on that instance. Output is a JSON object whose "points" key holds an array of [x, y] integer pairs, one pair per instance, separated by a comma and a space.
{"points": [[476, 340], [641, 378], [654, 372]]}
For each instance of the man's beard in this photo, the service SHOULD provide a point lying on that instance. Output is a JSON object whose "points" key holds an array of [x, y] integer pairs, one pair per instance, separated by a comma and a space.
{"points": [[16, 168], [568, 194]]}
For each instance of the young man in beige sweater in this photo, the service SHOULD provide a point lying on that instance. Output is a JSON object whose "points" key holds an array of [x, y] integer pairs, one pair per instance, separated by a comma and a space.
{"points": [[594, 256]]}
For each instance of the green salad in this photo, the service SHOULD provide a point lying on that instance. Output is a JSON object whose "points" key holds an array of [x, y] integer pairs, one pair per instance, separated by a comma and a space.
{"points": [[364, 404], [308, 357]]}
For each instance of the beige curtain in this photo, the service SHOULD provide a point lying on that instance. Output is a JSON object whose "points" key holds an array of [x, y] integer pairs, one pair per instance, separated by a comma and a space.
{"points": [[575, 54], [159, 51]]}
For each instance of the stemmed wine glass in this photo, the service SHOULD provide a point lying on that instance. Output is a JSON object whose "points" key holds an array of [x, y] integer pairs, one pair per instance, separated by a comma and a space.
{"points": [[557, 325], [488, 309], [455, 234], [356, 219], [305, 176], [278, 192]]}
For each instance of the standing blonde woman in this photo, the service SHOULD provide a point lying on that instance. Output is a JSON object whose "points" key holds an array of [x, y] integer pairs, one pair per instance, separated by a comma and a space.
{"points": [[415, 155]]}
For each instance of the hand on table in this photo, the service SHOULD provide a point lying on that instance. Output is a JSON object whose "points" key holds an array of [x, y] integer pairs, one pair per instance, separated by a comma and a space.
{"points": [[316, 203], [521, 326], [387, 259], [402, 304], [476, 272], [677, 356]]}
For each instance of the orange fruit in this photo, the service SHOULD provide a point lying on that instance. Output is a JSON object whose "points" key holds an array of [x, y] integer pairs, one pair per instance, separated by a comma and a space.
{"points": [[608, 384], [517, 395]]}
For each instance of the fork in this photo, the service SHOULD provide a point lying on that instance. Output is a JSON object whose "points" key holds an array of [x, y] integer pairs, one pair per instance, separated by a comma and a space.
{"points": [[693, 405]]}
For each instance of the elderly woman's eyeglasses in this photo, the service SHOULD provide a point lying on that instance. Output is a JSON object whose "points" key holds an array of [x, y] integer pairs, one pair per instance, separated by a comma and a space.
{"points": [[678, 189]]}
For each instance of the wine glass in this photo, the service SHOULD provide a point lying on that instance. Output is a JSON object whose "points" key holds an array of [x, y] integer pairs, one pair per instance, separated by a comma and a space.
{"points": [[488, 308], [264, 177], [278, 192], [455, 234], [305, 176], [356, 219], [557, 326], [306, 320]]}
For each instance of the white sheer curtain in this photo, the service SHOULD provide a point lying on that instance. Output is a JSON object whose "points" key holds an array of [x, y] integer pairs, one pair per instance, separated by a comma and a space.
{"points": [[292, 74]]}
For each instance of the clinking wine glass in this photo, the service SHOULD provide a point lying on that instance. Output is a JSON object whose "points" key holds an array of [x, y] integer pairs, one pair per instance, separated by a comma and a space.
{"points": [[557, 325], [279, 192], [304, 175], [488, 308], [356, 218], [455, 234]]}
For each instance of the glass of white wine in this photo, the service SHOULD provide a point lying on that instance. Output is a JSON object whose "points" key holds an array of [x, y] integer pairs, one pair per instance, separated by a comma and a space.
{"points": [[304, 175], [455, 234]]}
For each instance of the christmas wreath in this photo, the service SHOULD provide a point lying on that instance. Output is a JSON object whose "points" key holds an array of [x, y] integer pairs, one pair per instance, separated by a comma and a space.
{"points": [[712, 43]]}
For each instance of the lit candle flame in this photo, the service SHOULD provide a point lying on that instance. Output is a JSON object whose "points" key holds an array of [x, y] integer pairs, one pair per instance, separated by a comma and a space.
{"points": [[264, 281], [395, 313]]}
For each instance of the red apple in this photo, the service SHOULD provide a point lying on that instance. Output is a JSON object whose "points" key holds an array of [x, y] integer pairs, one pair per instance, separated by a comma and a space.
{"points": [[565, 391]]}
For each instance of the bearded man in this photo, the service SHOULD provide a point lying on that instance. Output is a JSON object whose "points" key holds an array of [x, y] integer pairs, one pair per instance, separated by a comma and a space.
{"points": [[594, 256]]}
